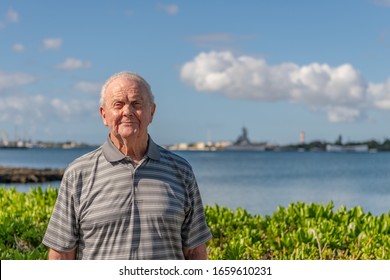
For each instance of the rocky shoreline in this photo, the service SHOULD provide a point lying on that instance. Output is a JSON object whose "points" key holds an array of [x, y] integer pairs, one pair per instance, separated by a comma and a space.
{"points": [[29, 175]]}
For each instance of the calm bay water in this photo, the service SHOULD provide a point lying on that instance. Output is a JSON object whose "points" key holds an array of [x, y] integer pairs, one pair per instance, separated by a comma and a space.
{"points": [[262, 181]]}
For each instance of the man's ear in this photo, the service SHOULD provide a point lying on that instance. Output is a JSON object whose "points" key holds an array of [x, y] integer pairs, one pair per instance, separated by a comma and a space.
{"points": [[153, 110], [103, 114]]}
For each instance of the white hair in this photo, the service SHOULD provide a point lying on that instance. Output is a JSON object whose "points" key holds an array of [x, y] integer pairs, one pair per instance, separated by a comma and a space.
{"points": [[130, 76]]}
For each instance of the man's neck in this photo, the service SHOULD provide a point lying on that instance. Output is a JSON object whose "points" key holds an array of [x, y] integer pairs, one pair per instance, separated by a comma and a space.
{"points": [[135, 148]]}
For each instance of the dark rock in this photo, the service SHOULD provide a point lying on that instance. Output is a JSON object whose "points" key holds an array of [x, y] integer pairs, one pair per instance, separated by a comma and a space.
{"points": [[29, 175]]}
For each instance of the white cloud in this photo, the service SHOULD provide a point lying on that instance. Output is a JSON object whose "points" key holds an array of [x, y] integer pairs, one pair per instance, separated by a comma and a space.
{"points": [[11, 80], [18, 47], [382, 2], [89, 87], [320, 84], [380, 94], [343, 114], [73, 64], [129, 12], [17, 110], [170, 9], [52, 43], [12, 15], [341, 92], [73, 109], [26, 109]]}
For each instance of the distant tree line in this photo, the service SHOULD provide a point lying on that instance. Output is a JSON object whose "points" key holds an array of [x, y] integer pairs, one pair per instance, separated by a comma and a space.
{"points": [[321, 145], [66, 144]]}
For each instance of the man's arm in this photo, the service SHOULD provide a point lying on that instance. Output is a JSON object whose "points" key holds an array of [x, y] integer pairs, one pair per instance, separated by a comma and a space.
{"points": [[55, 255], [197, 253]]}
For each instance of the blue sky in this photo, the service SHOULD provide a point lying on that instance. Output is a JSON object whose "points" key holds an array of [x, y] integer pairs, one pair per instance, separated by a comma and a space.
{"points": [[275, 67]]}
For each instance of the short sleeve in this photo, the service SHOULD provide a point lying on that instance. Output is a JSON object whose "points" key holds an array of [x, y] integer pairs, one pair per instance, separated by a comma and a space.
{"points": [[195, 230], [62, 231]]}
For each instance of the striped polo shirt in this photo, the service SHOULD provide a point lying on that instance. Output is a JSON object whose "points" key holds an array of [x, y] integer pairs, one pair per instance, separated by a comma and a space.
{"points": [[109, 208]]}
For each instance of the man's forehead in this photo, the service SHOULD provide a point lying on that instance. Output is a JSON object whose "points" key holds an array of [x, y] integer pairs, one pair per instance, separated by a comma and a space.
{"points": [[122, 83], [126, 86]]}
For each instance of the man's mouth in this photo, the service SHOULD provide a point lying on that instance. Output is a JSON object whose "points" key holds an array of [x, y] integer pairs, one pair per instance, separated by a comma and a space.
{"points": [[128, 122]]}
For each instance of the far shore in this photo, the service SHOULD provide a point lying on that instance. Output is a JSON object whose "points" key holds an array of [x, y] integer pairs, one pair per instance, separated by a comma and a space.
{"points": [[29, 175]]}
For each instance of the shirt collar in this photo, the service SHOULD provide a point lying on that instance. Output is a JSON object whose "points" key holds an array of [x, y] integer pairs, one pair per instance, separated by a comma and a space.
{"points": [[112, 154]]}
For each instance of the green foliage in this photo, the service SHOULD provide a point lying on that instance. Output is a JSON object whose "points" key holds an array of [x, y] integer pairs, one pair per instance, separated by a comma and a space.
{"points": [[23, 221], [299, 232]]}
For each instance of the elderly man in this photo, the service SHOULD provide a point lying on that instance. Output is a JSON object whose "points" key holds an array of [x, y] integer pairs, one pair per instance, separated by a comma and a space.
{"points": [[130, 198]]}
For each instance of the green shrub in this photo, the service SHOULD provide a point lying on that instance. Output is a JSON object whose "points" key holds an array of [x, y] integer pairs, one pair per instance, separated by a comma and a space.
{"points": [[299, 232], [23, 222]]}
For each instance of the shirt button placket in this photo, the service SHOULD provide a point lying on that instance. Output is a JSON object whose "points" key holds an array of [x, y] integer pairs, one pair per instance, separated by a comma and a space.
{"points": [[130, 166]]}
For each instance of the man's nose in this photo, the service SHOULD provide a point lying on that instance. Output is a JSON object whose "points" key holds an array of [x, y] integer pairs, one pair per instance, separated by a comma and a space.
{"points": [[128, 109]]}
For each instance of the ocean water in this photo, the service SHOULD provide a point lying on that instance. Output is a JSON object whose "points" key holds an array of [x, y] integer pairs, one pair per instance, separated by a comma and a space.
{"points": [[261, 181]]}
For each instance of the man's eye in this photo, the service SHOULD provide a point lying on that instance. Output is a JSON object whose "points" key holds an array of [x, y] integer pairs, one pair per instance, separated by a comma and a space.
{"points": [[118, 105], [137, 104]]}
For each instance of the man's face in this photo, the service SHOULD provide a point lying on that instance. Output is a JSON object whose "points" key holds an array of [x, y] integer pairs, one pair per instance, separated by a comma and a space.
{"points": [[127, 110]]}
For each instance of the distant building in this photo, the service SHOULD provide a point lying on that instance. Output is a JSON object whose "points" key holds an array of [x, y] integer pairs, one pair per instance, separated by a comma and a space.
{"points": [[302, 137], [347, 148]]}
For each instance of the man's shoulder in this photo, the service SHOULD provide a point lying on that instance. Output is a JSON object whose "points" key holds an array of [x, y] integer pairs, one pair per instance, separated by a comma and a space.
{"points": [[172, 157], [86, 159]]}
